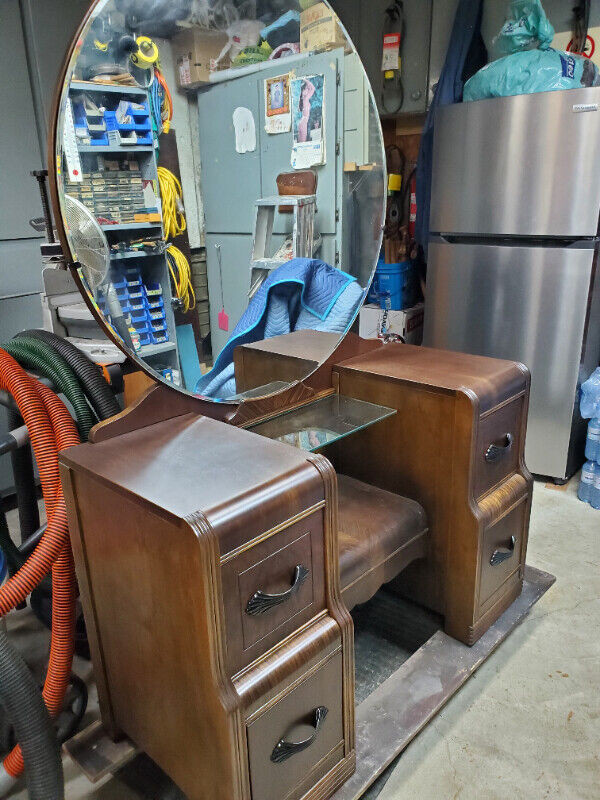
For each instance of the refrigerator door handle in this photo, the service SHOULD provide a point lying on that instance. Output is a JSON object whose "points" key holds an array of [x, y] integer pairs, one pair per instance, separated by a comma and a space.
{"points": [[496, 451]]}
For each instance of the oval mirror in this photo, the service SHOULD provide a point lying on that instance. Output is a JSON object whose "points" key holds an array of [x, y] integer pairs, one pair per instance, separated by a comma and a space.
{"points": [[219, 172]]}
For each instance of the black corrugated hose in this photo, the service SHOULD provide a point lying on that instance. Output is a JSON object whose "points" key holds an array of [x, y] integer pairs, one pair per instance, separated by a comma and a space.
{"points": [[38, 356], [89, 374], [24, 706]]}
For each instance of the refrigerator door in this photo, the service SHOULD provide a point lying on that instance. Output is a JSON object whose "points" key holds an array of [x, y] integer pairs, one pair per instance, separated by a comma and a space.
{"points": [[524, 166], [527, 304]]}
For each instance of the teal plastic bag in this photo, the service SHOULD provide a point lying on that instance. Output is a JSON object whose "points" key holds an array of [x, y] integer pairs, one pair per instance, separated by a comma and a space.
{"points": [[527, 27], [531, 71]]}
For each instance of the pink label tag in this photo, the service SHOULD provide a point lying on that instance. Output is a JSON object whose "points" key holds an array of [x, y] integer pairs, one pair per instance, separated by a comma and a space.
{"points": [[223, 320]]}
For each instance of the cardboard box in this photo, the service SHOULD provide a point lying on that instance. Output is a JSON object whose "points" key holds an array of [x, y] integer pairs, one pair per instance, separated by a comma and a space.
{"points": [[320, 29], [407, 323], [194, 51]]}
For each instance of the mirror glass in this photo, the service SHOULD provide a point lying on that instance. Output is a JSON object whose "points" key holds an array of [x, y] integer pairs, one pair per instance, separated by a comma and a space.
{"points": [[220, 172]]}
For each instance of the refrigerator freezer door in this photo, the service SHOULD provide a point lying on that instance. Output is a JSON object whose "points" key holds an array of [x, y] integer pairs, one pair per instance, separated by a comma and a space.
{"points": [[526, 304], [525, 166]]}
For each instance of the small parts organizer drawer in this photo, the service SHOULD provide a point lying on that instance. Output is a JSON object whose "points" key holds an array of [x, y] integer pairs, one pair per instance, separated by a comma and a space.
{"points": [[272, 588], [502, 548], [498, 446], [299, 737]]}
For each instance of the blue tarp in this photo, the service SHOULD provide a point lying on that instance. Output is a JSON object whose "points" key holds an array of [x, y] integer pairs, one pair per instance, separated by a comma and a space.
{"points": [[301, 294]]}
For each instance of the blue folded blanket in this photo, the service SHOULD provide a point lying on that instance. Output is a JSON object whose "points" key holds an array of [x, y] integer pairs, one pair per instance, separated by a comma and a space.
{"points": [[303, 293]]}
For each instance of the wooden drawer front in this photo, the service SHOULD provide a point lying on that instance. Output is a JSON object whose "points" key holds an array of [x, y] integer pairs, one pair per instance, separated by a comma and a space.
{"points": [[498, 446], [272, 588], [278, 772], [498, 547]]}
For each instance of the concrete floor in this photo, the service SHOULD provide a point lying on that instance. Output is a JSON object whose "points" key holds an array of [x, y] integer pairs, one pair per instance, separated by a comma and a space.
{"points": [[527, 724]]}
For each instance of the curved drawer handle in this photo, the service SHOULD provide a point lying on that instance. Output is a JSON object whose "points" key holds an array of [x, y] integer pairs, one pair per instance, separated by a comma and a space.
{"points": [[260, 602], [502, 553], [284, 750], [496, 451]]}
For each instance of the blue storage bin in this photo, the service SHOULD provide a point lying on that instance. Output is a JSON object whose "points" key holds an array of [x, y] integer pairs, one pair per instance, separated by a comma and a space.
{"points": [[142, 139], [394, 285], [98, 140], [145, 339], [137, 295], [159, 338], [139, 315], [139, 111], [112, 124], [153, 291], [155, 304]]}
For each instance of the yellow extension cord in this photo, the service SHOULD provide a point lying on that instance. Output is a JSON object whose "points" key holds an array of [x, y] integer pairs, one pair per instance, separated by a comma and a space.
{"points": [[174, 224], [172, 203], [182, 278]]}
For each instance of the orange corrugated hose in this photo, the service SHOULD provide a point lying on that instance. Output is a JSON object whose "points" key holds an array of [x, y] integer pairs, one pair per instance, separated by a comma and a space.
{"points": [[51, 429]]}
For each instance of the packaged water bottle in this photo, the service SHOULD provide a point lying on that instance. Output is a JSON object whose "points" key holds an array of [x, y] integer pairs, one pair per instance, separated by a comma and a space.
{"points": [[592, 443], [586, 484], [595, 495]]}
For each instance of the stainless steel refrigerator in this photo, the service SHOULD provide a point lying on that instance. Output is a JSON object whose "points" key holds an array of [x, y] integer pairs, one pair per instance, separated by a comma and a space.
{"points": [[512, 262]]}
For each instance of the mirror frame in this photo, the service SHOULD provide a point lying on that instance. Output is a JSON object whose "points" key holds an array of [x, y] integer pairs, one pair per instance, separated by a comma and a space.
{"points": [[228, 407]]}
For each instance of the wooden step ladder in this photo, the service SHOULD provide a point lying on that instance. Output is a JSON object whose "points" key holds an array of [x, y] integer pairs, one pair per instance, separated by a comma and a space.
{"points": [[304, 244]]}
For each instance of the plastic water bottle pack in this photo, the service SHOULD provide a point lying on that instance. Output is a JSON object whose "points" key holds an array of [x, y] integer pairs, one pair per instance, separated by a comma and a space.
{"points": [[589, 487]]}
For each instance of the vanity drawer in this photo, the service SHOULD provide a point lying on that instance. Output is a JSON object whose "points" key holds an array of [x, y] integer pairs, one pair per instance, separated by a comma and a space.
{"points": [[272, 588], [299, 737], [501, 550], [498, 446]]}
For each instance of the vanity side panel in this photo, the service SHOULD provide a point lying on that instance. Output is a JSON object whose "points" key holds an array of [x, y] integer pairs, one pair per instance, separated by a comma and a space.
{"points": [[408, 453], [152, 587]]}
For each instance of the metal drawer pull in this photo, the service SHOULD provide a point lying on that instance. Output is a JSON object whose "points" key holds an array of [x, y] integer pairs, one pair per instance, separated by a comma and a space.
{"points": [[260, 602], [283, 750], [496, 451], [503, 554]]}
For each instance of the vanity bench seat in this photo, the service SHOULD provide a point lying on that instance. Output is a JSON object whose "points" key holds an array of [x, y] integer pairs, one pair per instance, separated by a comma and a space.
{"points": [[380, 533]]}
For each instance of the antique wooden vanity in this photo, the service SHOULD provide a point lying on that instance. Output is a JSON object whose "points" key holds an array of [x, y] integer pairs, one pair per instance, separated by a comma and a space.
{"points": [[223, 536], [218, 598]]}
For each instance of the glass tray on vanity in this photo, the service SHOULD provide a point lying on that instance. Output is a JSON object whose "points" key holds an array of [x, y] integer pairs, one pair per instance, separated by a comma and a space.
{"points": [[321, 422]]}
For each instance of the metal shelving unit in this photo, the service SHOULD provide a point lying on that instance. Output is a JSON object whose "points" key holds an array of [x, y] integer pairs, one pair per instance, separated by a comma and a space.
{"points": [[142, 254], [153, 267], [107, 88], [116, 148], [131, 226], [155, 349]]}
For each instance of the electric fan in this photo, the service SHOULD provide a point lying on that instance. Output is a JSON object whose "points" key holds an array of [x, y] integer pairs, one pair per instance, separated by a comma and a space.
{"points": [[90, 249]]}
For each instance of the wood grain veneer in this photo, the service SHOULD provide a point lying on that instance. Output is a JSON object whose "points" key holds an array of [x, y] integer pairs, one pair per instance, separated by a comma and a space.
{"points": [[451, 407], [160, 541]]}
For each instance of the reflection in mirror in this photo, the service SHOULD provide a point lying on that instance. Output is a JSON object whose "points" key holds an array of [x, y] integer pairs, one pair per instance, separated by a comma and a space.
{"points": [[220, 173]]}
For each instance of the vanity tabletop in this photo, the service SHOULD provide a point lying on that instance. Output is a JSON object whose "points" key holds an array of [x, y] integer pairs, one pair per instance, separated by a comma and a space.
{"points": [[190, 464], [491, 379]]}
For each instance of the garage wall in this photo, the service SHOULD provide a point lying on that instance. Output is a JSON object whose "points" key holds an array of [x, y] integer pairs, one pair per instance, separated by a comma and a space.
{"points": [[34, 35]]}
